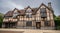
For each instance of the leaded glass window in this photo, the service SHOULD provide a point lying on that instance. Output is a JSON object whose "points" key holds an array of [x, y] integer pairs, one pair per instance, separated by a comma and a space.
{"points": [[29, 23], [28, 15], [43, 12], [47, 23]]}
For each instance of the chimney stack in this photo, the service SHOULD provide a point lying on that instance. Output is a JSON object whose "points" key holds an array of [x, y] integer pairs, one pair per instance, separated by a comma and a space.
{"points": [[49, 4]]}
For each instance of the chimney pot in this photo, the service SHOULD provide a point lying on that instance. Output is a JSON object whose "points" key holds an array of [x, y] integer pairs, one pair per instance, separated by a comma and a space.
{"points": [[49, 4]]}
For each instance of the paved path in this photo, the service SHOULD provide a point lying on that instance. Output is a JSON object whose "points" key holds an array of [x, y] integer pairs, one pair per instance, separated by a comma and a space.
{"points": [[27, 31]]}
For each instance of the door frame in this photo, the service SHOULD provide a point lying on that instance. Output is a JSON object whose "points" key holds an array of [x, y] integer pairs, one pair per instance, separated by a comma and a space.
{"points": [[38, 25]]}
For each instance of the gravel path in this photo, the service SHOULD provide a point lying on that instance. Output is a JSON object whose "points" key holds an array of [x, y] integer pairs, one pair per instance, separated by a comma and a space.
{"points": [[27, 31]]}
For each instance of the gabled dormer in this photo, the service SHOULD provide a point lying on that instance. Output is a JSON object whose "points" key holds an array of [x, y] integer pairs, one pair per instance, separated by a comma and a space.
{"points": [[15, 12], [28, 9], [43, 11], [28, 12]]}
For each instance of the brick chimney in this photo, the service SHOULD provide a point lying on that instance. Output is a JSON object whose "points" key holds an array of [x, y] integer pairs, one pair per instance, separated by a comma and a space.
{"points": [[49, 4]]}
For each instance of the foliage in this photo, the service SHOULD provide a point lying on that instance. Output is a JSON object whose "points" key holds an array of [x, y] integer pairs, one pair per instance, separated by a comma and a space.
{"points": [[58, 27], [57, 22], [1, 19]]}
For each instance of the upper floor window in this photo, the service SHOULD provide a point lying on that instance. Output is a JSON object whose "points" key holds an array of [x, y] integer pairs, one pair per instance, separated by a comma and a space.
{"points": [[28, 15], [43, 12], [6, 17], [43, 15]]}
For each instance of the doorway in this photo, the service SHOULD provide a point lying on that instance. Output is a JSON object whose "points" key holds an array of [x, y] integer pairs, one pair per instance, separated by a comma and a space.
{"points": [[38, 25]]}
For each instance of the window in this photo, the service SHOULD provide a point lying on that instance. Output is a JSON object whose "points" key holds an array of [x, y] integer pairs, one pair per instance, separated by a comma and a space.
{"points": [[28, 15], [6, 17], [29, 23], [43, 15], [47, 23], [14, 15], [43, 12]]}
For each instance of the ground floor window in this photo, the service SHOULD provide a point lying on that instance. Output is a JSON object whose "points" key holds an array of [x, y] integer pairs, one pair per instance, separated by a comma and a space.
{"points": [[47, 23], [29, 23], [10, 25]]}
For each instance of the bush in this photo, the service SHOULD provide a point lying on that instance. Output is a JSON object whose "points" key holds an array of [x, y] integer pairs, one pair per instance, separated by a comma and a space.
{"points": [[57, 22], [58, 27], [1, 21]]}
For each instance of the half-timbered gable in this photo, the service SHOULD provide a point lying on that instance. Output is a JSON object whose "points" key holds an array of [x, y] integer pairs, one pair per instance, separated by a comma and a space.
{"points": [[31, 18]]}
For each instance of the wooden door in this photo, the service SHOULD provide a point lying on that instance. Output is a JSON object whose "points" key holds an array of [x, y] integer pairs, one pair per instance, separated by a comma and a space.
{"points": [[38, 25]]}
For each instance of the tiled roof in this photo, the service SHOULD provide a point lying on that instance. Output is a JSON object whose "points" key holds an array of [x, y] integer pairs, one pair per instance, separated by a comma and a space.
{"points": [[22, 12], [9, 13]]}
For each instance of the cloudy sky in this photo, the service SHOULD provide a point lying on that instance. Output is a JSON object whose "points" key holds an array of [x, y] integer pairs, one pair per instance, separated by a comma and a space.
{"points": [[6, 5]]}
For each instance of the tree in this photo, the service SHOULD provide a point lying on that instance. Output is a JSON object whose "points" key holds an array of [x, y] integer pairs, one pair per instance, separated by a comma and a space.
{"points": [[1, 19], [57, 22]]}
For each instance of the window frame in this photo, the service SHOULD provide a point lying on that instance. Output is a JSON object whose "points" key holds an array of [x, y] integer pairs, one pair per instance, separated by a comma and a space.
{"points": [[43, 10], [44, 13], [28, 15], [29, 23], [47, 23]]}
